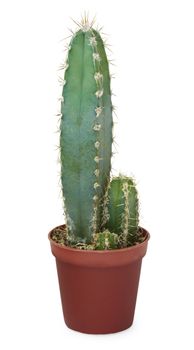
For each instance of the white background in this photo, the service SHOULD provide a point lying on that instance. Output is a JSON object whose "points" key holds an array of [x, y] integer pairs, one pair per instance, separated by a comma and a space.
{"points": [[153, 48]]}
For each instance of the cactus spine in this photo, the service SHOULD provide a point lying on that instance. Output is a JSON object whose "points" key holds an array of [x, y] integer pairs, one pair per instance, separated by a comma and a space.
{"points": [[120, 212], [85, 133]]}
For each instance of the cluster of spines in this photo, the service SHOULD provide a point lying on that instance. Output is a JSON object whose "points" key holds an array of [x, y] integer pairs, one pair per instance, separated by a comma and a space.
{"points": [[98, 77], [125, 216], [105, 211], [69, 222]]}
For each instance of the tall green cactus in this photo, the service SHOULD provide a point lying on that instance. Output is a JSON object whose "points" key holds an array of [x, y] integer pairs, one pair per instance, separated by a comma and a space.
{"points": [[85, 133], [120, 210]]}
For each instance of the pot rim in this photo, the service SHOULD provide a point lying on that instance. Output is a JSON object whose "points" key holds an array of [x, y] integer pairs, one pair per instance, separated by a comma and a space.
{"points": [[99, 258], [104, 251]]}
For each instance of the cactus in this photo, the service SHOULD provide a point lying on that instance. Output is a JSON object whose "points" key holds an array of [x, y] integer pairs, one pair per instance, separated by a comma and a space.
{"points": [[85, 133], [100, 213], [120, 211], [105, 240]]}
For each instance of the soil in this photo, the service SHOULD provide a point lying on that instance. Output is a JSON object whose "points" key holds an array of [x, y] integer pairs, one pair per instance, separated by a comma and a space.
{"points": [[59, 236]]}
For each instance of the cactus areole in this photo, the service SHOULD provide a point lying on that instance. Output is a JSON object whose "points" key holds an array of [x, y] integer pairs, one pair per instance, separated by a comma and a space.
{"points": [[100, 248]]}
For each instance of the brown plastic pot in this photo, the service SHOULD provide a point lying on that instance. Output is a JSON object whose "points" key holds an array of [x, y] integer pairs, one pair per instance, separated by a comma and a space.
{"points": [[99, 288]]}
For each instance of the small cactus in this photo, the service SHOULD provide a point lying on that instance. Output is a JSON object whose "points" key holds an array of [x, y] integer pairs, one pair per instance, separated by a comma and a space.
{"points": [[105, 240], [120, 211], [85, 133]]}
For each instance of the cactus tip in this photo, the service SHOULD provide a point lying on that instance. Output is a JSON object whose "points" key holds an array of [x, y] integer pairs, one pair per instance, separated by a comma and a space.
{"points": [[85, 24]]}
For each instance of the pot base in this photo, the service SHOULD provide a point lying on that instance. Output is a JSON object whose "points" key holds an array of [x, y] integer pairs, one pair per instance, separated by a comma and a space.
{"points": [[101, 301], [116, 330]]}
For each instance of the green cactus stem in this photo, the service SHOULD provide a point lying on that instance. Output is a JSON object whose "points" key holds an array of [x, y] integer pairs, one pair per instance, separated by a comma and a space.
{"points": [[120, 210], [85, 133]]}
